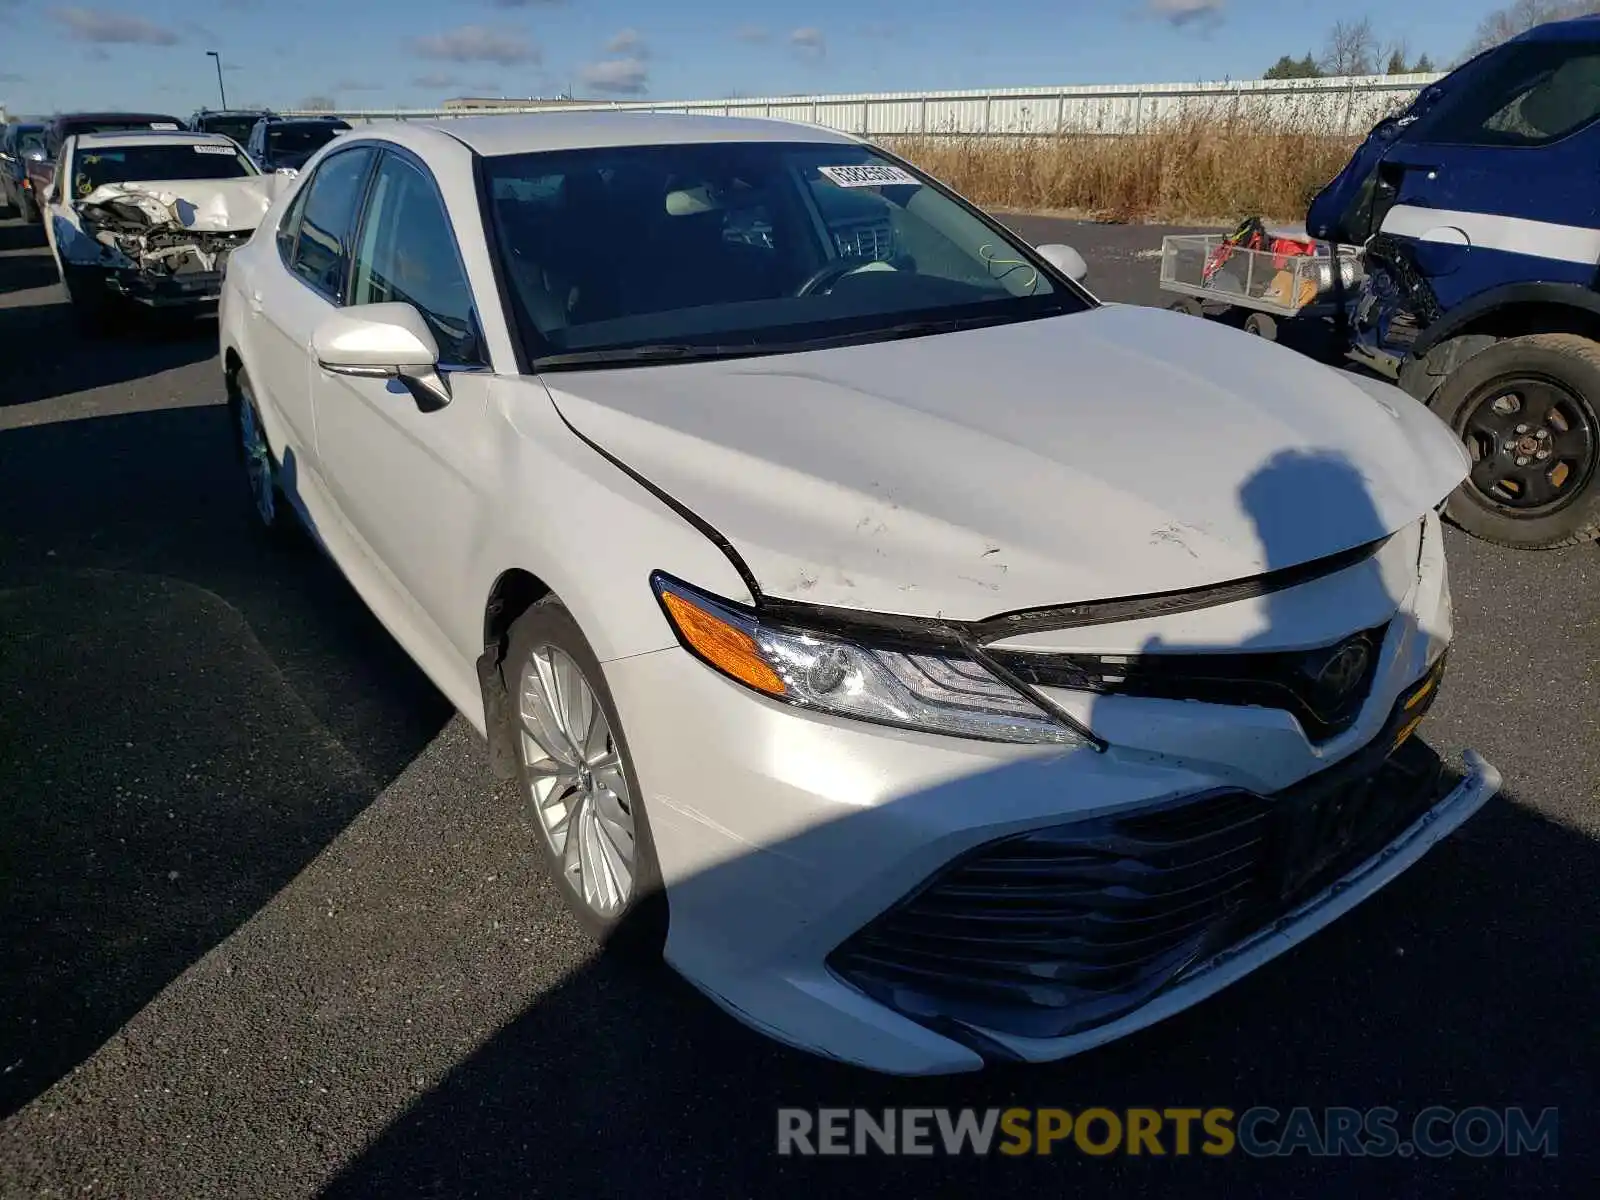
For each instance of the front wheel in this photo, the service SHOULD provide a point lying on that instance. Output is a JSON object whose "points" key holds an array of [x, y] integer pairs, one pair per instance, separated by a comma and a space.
{"points": [[262, 485], [1526, 408], [578, 783], [93, 307]]}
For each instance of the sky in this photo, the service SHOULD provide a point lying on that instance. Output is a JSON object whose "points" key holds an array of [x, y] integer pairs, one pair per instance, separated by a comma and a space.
{"points": [[151, 54]]}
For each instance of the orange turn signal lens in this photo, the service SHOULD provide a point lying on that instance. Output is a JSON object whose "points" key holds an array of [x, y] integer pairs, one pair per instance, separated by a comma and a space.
{"points": [[725, 647]]}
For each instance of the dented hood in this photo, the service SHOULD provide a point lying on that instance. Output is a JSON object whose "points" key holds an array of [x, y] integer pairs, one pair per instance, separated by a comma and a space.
{"points": [[201, 205], [1111, 453]]}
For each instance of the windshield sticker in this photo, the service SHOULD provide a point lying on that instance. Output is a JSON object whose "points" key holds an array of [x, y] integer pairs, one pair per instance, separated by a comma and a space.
{"points": [[869, 176], [213, 149], [162, 125]]}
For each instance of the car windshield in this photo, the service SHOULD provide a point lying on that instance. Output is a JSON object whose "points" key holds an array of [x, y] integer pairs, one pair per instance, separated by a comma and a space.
{"points": [[237, 128], [291, 145], [94, 167], [728, 248], [30, 139]]}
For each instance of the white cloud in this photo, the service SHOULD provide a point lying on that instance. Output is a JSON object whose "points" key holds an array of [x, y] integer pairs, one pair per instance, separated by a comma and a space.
{"points": [[94, 25], [477, 43], [629, 43], [753, 35], [435, 79], [1187, 12], [809, 41], [617, 76]]}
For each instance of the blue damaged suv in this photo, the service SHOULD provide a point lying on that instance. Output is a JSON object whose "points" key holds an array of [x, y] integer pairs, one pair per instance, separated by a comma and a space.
{"points": [[1479, 210]]}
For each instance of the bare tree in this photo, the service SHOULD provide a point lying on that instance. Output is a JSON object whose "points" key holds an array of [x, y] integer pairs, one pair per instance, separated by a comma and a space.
{"points": [[1351, 48], [318, 104], [1506, 23]]}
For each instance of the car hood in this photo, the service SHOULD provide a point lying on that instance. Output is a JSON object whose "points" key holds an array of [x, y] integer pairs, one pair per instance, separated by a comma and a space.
{"points": [[1112, 453], [202, 205]]}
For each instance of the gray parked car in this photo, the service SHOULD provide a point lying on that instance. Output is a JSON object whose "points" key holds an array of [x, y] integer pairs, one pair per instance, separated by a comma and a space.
{"points": [[19, 143]]}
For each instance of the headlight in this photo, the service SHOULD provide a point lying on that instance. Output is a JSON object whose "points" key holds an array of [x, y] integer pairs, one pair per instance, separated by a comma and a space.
{"points": [[929, 690]]}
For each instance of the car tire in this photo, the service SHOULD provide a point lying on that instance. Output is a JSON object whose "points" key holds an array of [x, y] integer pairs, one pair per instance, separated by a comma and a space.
{"points": [[1260, 325], [1520, 404], [93, 309], [576, 811], [262, 476], [28, 209]]}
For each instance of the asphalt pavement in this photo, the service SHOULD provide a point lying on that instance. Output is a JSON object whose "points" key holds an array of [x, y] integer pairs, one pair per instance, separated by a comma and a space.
{"points": [[271, 929]]}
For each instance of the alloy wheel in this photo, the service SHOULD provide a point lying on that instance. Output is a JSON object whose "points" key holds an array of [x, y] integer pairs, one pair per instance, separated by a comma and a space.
{"points": [[579, 791], [257, 459]]}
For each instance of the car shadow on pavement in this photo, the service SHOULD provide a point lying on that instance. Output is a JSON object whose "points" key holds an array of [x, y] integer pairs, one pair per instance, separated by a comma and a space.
{"points": [[43, 354], [1469, 980], [188, 716]]}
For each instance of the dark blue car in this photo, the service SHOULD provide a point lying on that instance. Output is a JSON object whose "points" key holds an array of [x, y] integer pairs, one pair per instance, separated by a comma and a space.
{"points": [[1479, 207]]}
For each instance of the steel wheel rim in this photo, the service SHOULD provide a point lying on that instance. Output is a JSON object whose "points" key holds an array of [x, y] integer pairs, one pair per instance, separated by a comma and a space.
{"points": [[1533, 443], [257, 459], [577, 786]]}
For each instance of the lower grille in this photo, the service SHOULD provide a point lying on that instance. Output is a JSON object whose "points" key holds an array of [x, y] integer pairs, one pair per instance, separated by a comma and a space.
{"points": [[1061, 929]]}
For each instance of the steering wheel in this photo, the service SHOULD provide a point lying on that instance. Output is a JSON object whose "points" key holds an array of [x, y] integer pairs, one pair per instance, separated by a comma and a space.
{"points": [[828, 273]]}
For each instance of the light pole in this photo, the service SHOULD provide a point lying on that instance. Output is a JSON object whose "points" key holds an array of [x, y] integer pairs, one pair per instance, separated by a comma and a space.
{"points": [[220, 88]]}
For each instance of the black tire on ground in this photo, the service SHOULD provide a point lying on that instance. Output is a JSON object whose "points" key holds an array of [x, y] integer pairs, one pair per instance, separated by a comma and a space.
{"points": [[1261, 325], [93, 308], [29, 209], [640, 929], [1188, 306], [277, 520], [1567, 361]]}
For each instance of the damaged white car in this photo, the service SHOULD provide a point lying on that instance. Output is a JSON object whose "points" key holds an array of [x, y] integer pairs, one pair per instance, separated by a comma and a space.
{"points": [[150, 218], [940, 666]]}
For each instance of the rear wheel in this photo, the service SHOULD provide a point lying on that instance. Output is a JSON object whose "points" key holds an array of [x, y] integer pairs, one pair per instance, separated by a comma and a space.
{"points": [[578, 783], [1528, 411]]}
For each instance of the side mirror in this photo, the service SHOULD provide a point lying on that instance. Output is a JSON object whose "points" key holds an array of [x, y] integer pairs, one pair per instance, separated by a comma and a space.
{"points": [[383, 341], [1064, 259]]}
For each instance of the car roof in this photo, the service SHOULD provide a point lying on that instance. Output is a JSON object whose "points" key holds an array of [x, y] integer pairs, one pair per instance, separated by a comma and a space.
{"points": [[146, 137], [275, 119], [69, 118], [521, 133], [1575, 28]]}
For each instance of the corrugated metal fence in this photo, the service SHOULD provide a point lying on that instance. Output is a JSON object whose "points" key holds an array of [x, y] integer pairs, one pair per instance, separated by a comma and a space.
{"points": [[1346, 105]]}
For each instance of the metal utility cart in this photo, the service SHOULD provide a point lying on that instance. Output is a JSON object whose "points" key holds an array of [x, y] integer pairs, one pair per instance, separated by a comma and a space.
{"points": [[1255, 288]]}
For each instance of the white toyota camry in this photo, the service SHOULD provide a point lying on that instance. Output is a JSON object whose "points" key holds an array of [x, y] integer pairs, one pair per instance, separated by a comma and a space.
{"points": [[938, 665]]}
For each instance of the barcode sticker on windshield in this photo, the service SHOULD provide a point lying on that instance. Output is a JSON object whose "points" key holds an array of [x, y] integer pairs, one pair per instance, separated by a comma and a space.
{"points": [[162, 125], [869, 176], [213, 149]]}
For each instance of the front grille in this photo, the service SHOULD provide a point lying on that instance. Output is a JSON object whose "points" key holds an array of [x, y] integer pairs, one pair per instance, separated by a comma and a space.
{"points": [[1061, 929], [1324, 689]]}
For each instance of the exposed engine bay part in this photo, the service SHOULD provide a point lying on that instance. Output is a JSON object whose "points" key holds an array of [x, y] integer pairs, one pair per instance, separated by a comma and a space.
{"points": [[159, 232]]}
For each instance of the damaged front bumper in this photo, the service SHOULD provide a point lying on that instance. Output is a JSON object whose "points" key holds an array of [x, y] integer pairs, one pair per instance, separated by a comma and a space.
{"points": [[148, 289]]}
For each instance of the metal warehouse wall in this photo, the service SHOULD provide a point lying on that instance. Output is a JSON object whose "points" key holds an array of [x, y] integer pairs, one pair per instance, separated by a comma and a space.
{"points": [[1337, 105]]}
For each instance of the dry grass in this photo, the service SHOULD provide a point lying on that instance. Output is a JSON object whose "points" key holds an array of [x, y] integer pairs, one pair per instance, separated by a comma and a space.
{"points": [[1204, 167]]}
